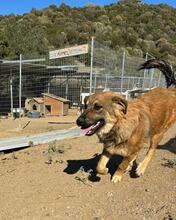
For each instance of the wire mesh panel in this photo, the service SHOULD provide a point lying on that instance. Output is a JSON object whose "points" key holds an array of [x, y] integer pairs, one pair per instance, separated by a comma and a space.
{"points": [[119, 72], [105, 60], [9, 86], [133, 78], [70, 75], [34, 78], [106, 68]]}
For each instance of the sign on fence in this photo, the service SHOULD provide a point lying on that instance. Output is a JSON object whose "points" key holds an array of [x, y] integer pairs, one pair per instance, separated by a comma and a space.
{"points": [[71, 51]]}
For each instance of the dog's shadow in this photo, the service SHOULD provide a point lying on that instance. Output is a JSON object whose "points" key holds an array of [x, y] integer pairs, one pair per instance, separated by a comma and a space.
{"points": [[169, 145], [89, 165]]}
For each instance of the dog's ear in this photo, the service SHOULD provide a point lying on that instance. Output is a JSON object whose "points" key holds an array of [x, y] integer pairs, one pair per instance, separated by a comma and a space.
{"points": [[121, 103], [85, 101]]}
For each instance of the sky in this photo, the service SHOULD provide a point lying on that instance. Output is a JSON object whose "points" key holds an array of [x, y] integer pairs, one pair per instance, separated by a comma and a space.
{"points": [[25, 6]]}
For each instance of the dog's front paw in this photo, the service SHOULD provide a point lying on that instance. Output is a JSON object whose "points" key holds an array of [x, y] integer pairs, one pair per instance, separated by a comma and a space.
{"points": [[116, 178], [140, 169], [102, 171]]}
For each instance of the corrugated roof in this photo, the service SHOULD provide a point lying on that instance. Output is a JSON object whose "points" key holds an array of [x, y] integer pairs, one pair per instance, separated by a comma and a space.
{"points": [[55, 97]]}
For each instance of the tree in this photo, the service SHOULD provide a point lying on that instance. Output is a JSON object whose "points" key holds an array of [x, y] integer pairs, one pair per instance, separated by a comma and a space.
{"points": [[26, 36], [4, 46]]}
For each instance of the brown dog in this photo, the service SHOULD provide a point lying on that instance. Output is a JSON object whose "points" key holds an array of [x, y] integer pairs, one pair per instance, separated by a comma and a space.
{"points": [[126, 127]]}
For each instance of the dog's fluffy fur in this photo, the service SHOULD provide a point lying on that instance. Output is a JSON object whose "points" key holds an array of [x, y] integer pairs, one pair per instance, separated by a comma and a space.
{"points": [[124, 128]]}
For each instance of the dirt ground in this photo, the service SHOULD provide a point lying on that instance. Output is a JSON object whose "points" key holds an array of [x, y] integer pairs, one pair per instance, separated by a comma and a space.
{"points": [[58, 181], [27, 126]]}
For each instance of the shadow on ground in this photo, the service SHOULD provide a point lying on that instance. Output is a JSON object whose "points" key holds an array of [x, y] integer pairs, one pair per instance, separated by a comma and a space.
{"points": [[170, 146], [73, 166]]}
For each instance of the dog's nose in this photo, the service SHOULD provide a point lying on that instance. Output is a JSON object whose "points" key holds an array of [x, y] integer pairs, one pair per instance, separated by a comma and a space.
{"points": [[80, 121]]}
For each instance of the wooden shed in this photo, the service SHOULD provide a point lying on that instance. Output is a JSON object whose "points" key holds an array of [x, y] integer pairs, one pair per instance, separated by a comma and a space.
{"points": [[55, 105], [36, 104]]}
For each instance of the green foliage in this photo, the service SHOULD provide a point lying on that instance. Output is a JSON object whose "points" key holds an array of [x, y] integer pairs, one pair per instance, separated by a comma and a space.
{"points": [[4, 46], [25, 35], [129, 24]]}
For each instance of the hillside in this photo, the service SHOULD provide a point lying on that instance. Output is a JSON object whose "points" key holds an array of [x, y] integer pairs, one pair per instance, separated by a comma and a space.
{"points": [[131, 25]]}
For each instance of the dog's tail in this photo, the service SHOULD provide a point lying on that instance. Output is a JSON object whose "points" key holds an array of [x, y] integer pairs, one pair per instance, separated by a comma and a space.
{"points": [[164, 67]]}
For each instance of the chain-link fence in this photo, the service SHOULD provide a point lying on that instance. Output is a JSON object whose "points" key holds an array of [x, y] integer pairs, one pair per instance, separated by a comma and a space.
{"points": [[98, 68], [119, 72], [21, 79]]}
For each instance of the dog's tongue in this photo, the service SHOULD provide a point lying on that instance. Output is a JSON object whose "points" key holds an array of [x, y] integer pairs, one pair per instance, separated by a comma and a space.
{"points": [[86, 130]]}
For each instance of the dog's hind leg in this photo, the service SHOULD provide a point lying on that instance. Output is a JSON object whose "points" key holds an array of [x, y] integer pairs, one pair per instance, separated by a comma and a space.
{"points": [[131, 164], [154, 143]]}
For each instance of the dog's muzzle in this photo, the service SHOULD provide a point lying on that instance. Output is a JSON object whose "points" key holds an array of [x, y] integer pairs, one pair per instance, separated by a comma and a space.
{"points": [[88, 128], [82, 122]]}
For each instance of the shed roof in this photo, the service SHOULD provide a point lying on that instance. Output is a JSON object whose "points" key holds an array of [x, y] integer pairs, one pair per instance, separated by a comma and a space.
{"points": [[55, 97], [37, 99]]}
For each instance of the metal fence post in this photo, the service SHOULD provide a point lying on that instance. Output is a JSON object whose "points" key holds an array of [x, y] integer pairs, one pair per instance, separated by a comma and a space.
{"points": [[11, 93], [91, 64], [66, 89], [151, 79], [159, 79], [95, 81], [146, 58], [106, 81], [122, 73], [48, 87], [20, 72]]}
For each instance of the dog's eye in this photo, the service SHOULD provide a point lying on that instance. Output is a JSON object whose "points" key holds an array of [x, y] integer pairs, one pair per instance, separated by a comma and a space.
{"points": [[97, 107]]}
